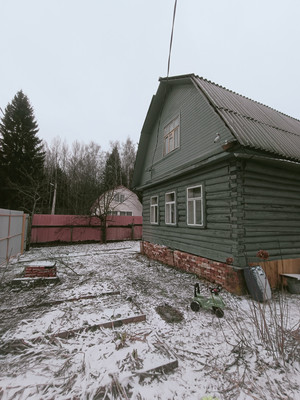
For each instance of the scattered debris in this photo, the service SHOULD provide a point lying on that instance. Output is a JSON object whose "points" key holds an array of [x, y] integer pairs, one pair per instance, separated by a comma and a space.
{"points": [[200, 356]]}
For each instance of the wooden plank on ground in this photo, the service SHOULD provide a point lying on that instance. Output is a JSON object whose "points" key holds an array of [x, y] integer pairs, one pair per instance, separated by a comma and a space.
{"points": [[163, 368], [56, 302], [16, 343], [110, 324]]}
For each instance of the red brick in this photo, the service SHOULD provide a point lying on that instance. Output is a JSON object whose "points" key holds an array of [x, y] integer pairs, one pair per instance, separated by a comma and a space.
{"points": [[214, 271], [40, 272]]}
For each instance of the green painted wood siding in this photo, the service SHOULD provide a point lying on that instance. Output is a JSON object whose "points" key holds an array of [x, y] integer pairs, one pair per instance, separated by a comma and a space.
{"points": [[249, 206], [271, 212], [199, 125], [215, 239]]}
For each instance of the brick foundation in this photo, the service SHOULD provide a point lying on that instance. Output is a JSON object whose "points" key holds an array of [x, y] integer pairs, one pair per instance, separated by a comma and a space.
{"points": [[232, 279], [40, 272]]}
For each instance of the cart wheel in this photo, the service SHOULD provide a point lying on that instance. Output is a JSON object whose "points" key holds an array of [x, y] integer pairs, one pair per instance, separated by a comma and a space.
{"points": [[219, 312], [195, 306]]}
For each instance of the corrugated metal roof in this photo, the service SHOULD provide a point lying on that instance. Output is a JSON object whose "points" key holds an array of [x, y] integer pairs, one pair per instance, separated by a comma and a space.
{"points": [[254, 124]]}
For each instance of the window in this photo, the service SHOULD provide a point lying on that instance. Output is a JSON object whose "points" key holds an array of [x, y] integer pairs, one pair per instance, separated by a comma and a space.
{"points": [[154, 210], [120, 213], [112, 213], [195, 206], [119, 198], [171, 136], [126, 213], [170, 208]]}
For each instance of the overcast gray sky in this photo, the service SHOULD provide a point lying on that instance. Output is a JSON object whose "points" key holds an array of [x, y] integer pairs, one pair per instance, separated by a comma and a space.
{"points": [[90, 67]]}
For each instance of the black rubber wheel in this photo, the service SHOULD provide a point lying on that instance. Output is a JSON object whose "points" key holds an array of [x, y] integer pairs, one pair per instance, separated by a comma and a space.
{"points": [[195, 306], [219, 312]]}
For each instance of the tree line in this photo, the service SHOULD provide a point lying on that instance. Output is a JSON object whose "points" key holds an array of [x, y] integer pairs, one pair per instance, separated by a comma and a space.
{"points": [[40, 178]]}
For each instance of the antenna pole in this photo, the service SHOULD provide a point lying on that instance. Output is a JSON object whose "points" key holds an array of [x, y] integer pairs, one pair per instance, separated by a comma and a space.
{"points": [[171, 39]]}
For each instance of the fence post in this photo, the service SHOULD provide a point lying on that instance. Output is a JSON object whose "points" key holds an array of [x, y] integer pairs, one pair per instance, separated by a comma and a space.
{"points": [[132, 231], [8, 235], [29, 226], [23, 232]]}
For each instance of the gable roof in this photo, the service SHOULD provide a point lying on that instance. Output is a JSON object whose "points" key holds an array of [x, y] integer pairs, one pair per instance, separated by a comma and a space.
{"points": [[257, 129], [118, 189], [253, 124], [131, 200]]}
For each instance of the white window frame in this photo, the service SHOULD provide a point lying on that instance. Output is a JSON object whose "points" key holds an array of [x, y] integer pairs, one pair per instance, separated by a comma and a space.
{"points": [[170, 209], [171, 136], [154, 211], [193, 201]]}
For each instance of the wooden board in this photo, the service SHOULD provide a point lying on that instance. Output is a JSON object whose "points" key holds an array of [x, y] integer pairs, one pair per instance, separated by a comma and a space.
{"points": [[277, 268]]}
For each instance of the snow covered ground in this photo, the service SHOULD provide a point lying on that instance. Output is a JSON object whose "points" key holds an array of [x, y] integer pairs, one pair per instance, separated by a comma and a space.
{"points": [[251, 353]]}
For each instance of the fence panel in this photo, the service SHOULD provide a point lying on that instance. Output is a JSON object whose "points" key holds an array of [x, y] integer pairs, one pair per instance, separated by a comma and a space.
{"points": [[74, 228], [13, 231]]}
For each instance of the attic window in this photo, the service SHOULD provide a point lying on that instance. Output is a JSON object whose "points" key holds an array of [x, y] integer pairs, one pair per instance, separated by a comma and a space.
{"points": [[171, 136], [119, 198]]}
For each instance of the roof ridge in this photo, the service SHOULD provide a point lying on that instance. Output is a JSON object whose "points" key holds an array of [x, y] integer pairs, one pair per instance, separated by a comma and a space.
{"points": [[245, 97]]}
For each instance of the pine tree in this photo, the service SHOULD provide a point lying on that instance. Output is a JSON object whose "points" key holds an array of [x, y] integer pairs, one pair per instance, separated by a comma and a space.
{"points": [[21, 155], [128, 156], [112, 171]]}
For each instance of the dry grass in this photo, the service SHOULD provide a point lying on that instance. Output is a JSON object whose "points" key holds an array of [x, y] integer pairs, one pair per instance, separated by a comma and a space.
{"points": [[271, 326]]}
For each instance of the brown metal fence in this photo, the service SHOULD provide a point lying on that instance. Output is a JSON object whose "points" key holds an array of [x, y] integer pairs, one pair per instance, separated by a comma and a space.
{"points": [[13, 233], [76, 228]]}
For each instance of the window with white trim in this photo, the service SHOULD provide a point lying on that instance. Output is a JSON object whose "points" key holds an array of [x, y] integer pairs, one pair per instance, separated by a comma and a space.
{"points": [[171, 135], [154, 210], [195, 206], [170, 208]]}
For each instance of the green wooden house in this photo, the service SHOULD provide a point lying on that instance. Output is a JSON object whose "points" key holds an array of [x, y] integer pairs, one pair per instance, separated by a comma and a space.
{"points": [[220, 177]]}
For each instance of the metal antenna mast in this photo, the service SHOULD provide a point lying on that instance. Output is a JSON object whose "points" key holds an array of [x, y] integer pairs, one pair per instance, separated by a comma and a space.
{"points": [[171, 39]]}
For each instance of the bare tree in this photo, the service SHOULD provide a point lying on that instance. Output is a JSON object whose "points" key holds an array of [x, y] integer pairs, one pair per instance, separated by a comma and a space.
{"points": [[80, 174], [101, 210], [55, 171], [76, 174], [32, 192], [107, 204], [85, 169]]}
